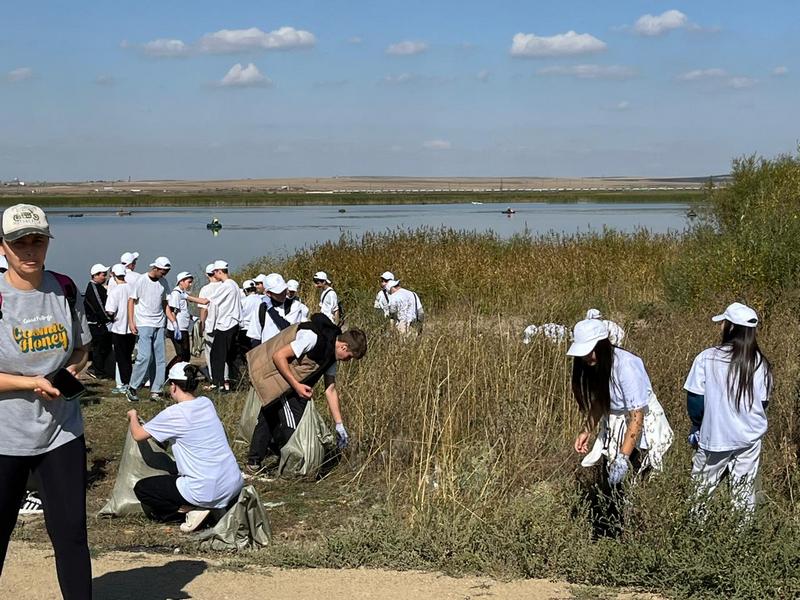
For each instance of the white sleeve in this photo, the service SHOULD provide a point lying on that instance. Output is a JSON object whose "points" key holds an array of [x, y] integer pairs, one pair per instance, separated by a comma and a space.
{"points": [[174, 299], [166, 425], [135, 289], [112, 303], [303, 342], [635, 385], [254, 324], [696, 380]]}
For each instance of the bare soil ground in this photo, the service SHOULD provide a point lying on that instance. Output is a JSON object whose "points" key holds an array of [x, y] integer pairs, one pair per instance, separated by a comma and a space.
{"points": [[140, 576]]}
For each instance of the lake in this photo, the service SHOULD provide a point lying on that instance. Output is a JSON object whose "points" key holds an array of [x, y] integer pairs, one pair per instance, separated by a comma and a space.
{"points": [[248, 233]]}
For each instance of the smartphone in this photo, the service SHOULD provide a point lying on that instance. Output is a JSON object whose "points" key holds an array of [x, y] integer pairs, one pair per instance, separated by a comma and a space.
{"points": [[66, 383]]}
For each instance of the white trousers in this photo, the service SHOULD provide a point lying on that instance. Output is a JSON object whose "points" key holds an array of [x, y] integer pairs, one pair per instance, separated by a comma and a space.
{"points": [[708, 468]]}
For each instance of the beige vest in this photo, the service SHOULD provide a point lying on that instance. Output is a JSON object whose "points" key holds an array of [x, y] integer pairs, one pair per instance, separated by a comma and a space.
{"points": [[264, 375]]}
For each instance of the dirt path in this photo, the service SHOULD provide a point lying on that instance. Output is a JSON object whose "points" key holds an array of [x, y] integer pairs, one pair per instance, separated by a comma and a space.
{"points": [[29, 574]]}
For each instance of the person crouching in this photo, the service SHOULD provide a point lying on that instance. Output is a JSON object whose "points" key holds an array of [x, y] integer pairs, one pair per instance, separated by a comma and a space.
{"points": [[208, 475]]}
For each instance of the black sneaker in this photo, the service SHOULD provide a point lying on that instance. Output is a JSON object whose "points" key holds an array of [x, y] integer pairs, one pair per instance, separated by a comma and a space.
{"points": [[31, 505], [130, 394]]}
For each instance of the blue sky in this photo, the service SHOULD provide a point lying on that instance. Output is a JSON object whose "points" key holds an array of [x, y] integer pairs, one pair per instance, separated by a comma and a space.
{"points": [[201, 89]]}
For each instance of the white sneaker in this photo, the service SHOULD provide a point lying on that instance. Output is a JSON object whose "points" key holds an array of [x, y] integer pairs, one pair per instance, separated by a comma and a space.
{"points": [[31, 505], [194, 518]]}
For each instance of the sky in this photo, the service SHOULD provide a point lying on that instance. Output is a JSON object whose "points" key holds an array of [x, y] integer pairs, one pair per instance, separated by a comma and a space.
{"points": [[206, 89]]}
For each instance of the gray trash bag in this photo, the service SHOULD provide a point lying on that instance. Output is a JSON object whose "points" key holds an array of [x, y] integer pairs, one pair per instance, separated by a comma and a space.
{"points": [[304, 453], [249, 418], [244, 527], [138, 461]]}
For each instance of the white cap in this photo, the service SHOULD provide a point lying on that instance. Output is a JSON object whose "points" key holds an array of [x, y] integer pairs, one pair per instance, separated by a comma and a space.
{"points": [[275, 283], [586, 335], [128, 257], [178, 372], [322, 275], [392, 283], [293, 285], [210, 269], [119, 270], [24, 219], [220, 264], [738, 314], [248, 284], [162, 262], [98, 268], [593, 313], [260, 278], [387, 275], [183, 275]]}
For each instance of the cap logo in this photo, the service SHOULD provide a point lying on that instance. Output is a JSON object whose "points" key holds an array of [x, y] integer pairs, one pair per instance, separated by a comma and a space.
{"points": [[26, 215]]}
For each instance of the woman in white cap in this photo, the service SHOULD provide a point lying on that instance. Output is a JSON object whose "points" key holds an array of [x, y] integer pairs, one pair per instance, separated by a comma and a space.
{"points": [[728, 388], [614, 393], [40, 430], [328, 300], [178, 331], [208, 476]]}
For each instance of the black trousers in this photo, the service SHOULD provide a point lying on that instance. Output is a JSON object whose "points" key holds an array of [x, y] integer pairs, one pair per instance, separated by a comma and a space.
{"points": [[276, 423], [160, 497], [223, 350], [102, 352], [182, 350], [61, 475], [123, 354]]}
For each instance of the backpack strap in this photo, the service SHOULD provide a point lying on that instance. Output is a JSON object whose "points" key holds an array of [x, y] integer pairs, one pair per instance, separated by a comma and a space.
{"points": [[68, 287]]}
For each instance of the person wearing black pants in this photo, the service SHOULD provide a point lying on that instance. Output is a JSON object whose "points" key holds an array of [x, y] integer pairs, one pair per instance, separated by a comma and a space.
{"points": [[94, 302], [62, 485], [123, 351], [223, 351], [276, 424]]}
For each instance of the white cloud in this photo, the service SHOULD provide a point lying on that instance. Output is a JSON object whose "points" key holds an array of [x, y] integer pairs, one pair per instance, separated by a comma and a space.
{"points": [[741, 83], [780, 71], [164, 48], [401, 78], [483, 75], [104, 80], [562, 44], [407, 48], [354, 40], [227, 41], [437, 145], [590, 71], [701, 74], [652, 25], [20, 74], [621, 106], [249, 76]]}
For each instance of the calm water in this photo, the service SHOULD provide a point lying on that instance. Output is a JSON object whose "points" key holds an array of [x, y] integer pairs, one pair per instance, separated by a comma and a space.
{"points": [[248, 233]]}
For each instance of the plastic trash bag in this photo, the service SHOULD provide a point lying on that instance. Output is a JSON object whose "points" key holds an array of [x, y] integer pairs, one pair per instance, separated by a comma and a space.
{"points": [[304, 454], [249, 418], [244, 527]]}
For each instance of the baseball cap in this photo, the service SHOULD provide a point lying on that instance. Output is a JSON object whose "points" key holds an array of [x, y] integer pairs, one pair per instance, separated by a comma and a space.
{"points": [[162, 262], [586, 335], [183, 275], [260, 278], [321, 276], [387, 276], [738, 314], [220, 264], [210, 269], [248, 284], [98, 268], [24, 219], [593, 313], [275, 283], [119, 270], [178, 372], [293, 285], [391, 283], [128, 257]]}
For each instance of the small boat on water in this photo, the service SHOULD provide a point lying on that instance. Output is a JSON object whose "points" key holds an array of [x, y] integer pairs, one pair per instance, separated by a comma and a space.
{"points": [[341, 210], [509, 211], [477, 203], [75, 215], [215, 225]]}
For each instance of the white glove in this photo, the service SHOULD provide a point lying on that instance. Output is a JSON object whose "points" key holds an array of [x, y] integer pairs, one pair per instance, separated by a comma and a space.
{"points": [[618, 469], [177, 334], [343, 438]]}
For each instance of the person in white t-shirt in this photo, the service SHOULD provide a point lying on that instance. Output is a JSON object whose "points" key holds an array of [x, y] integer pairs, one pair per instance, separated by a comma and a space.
{"points": [[405, 307], [382, 297], [615, 333], [178, 331], [728, 389], [276, 312], [122, 339], [208, 476], [250, 304], [128, 259], [607, 382], [207, 317], [147, 317], [328, 299]]}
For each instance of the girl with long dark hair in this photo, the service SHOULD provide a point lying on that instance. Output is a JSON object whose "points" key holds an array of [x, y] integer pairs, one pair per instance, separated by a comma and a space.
{"points": [[728, 389]]}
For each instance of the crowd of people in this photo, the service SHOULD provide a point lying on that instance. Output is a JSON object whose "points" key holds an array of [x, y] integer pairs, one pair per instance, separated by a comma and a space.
{"points": [[47, 331]]}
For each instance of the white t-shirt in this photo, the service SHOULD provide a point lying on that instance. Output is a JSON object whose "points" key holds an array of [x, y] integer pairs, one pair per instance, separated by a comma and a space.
{"points": [[207, 291], [329, 303], [178, 303], [304, 342], [724, 428], [630, 386], [117, 304], [208, 475], [296, 314], [250, 306], [228, 303], [382, 302], [149, 310], [404, 305]]}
